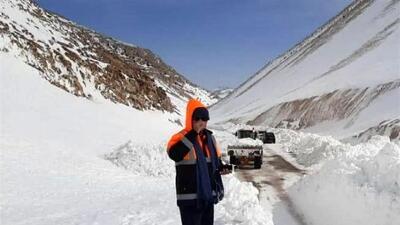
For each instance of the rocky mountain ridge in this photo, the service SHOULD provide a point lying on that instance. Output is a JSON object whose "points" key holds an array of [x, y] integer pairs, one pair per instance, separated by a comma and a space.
{"points": [[91, 65]]}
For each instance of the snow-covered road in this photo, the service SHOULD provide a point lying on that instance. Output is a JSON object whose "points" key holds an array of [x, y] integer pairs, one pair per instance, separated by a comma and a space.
{"points": [[343, 184], [271, 180]]}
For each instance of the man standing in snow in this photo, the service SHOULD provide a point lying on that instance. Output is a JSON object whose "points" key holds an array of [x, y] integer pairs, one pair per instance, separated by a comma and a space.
{"points": [[198, 167]]}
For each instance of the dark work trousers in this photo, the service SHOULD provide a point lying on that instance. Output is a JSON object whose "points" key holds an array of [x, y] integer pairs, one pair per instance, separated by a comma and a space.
{"points": [[194, 216]]}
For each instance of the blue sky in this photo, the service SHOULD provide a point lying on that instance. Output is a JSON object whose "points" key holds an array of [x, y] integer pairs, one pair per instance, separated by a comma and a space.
{"points": [[214, 43]]}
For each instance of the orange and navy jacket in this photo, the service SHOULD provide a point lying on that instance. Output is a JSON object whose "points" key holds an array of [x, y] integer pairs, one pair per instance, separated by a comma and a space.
{"points": [[181, 149]]}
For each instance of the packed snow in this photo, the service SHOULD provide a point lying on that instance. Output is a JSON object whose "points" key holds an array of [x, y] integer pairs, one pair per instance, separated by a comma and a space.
{"points": [[346, 184], [360, 185]]}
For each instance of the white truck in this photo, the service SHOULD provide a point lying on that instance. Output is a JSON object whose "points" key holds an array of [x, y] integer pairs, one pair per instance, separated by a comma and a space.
{"points": [[247, 154]]}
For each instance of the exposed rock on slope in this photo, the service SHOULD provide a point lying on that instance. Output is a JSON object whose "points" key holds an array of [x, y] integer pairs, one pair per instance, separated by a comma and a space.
{"points": [[88, 64]]}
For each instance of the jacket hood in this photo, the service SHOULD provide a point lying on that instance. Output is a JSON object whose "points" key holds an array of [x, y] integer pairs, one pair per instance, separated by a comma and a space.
{"points": [[192, 105]]}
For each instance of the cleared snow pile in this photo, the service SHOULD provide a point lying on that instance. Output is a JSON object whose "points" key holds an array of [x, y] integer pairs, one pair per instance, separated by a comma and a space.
{"points": [[360, 186], [148, 160], [240, 205], [310, 149]]}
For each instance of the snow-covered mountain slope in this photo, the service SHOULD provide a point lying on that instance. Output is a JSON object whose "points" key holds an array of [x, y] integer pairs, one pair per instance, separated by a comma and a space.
{"points": [[33, 109], [222, 92], [341, 80], [68, 160], [57, 149], [91, 65]]}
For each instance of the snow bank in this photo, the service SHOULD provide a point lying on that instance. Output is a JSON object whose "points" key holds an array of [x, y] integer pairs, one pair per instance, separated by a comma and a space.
{"points": [[311, 150], [241, 205], [360, 185], [347, 184], [148, 160]]}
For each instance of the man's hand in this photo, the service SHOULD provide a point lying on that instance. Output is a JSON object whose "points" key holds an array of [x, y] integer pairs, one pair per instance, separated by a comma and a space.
{"points": [[225, 171], [225, 168]]}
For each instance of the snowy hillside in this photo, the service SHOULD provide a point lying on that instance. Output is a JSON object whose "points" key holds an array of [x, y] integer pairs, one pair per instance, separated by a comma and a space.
{"points": [[88, 64], [221, 93], [342, 80], [68, 160]]}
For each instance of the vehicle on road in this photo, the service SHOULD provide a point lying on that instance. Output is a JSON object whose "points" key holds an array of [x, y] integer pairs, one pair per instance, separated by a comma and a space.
{"points": [[245, 154]]}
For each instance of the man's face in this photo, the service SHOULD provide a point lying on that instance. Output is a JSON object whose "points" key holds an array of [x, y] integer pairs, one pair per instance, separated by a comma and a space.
{"points": [[199, 125]]}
